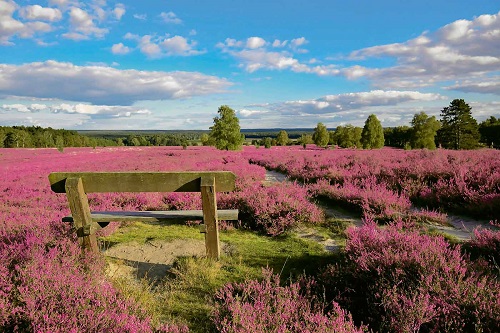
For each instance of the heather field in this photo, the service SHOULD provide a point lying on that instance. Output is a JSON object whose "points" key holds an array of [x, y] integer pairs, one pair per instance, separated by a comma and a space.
{"points": [[387, 275]]}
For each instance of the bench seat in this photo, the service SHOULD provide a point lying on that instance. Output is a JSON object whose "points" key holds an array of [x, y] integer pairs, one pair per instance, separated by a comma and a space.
{"points": [[156, 216]]}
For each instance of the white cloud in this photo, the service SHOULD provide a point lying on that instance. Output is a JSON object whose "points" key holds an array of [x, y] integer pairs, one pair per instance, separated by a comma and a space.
{"points": [[24, 107], [485, 86], [140, 16], [119, 11], [170, 17], [253, 56], [278, 43], [353, 101], [82, 25], [103, 85], [37, 12], [179, 45], [120, 49], [462, 50], [255, 42], [10, 27], [244, 113], [298, 42], [157, 47], [99, 111]]}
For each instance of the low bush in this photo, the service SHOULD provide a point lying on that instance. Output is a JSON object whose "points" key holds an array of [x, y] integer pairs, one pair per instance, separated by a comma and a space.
{"points": [[265, 306], [398, 280]]}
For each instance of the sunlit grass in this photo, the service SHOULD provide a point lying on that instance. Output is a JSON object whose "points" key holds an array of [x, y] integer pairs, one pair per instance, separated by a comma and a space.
{"points": [[186, 293]]}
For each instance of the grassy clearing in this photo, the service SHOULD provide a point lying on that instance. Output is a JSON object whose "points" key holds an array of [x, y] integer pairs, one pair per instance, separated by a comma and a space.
{"points": [[186, 294]]}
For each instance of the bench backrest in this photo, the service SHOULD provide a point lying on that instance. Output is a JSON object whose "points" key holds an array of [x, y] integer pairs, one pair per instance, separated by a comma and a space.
{"points": [[187, 181]]}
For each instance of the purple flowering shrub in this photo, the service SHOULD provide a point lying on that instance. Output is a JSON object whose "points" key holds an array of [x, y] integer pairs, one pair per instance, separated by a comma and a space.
{"points": [[275, 209], [47, 286], [486, 246], [265, 306], [398, 280]]}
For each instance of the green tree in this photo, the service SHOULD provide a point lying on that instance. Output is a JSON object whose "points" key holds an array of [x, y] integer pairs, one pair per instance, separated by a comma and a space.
{"points": [[347, 136], [459, 130], [489, 130], [372, 136], [423, 131], [321, 136], [398, 136], [226, 130], [282, 138]]}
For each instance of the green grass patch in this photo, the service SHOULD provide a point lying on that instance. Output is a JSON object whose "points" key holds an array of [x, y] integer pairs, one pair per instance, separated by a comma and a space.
{"points": [[186, 294]]}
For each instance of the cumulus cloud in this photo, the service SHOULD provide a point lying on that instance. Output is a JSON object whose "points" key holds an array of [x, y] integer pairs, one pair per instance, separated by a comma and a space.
{"points": [[82, 25], [25, 108], [99, 111], [353, 101], [37, 12], [170, 17], [10, 27], [253, 56], [244, 113], [119, 11], [485, 86], [157, 47], [120, 49], [103, 85], [462, 49], [255, 42]]}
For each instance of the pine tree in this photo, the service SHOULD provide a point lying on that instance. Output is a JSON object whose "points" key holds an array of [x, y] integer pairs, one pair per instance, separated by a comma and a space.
{"points": [[372, 136], [423, 131], [459, 130], [226, 130], [321, 135]]}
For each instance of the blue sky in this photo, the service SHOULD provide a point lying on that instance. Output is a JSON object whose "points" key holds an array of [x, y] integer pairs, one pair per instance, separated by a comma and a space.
{"points": [[170, 64]]}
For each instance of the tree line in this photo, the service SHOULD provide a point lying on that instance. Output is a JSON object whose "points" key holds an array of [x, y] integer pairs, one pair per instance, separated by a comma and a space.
{"points": [[38, 137], [456, 129]]}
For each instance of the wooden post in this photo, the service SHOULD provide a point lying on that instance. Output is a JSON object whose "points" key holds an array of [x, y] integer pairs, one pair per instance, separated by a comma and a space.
{"points": [[210, 219], [79, 205]]}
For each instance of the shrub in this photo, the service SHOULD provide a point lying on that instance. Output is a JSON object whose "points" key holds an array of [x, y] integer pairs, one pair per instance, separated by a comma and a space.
{"points": [[401, 281], [265, 306]]}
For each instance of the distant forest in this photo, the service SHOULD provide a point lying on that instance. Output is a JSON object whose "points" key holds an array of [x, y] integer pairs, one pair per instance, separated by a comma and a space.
{"points": [[38, 137]]}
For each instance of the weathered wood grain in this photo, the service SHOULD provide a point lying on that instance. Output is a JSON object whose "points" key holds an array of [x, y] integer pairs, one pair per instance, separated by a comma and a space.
{"points": [[210, 217], [79, 205], [188, 181], [156, 216]]}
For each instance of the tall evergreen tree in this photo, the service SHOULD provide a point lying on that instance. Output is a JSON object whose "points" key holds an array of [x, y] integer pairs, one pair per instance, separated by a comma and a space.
{"points": [[459, 130], [321, 135], [226, 130], [372, 136], [423, 131]]}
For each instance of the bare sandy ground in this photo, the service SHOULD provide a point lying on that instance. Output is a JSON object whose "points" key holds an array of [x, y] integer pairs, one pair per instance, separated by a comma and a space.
{"points": [[152, 259]]}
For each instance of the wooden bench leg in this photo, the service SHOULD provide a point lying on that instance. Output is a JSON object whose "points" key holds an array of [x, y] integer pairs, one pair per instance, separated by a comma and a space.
{"points": [[79, 205], [210, 219]]}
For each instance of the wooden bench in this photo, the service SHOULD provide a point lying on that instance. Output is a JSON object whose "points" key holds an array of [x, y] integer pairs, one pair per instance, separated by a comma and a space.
{"points": [[76, 185]]}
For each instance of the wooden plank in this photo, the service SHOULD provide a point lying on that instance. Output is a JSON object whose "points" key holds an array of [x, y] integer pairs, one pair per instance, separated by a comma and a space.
{"points": [[188, 181], [156, 216], [78, 203], [210, 218]]}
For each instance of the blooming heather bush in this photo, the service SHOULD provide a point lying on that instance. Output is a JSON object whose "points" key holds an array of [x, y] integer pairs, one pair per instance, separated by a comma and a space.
{"points": [[402, 281], [275, 209], [49, 287], [264, 307], [465, 181], [486, 245], [374, 200]]}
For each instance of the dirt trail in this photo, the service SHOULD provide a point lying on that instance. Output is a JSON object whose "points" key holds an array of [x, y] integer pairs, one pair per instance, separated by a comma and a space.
{"points": [[461, 227]]}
